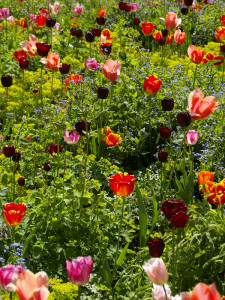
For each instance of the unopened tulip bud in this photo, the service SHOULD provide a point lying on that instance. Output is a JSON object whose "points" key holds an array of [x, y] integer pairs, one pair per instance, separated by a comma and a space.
{"points": [[156, 271], [191, 137]]}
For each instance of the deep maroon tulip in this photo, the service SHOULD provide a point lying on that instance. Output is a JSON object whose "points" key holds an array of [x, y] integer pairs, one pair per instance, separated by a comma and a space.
{"points": [[127, 8], [165, 132], [43, 48], [50, 22], [122, 5], [6, 80], [23, 63], [9, 151], [106, 49], [35, 91], [179, 219], [81, 126], [222, 48], [21, 181], [170, 207], [162, 155], [47, 167], [156, 247], [78, 33], [96, 31], [184, 119], [103, 92], [184, 10], [64, 68], [101, 21], [188, 2], [89, 36], [167, 104], [165, 32], [137, 21], [73, 31], [16, 157], [162, 41], [54, 148]]}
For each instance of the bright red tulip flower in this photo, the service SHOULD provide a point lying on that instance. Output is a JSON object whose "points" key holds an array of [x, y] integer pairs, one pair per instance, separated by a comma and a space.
{"points": [[147, 28], [20, 54], [152, 85], [13, 213], [220, 34], [122, 184], [200, 107], [222, 20], [196, 55], [41, 20]]}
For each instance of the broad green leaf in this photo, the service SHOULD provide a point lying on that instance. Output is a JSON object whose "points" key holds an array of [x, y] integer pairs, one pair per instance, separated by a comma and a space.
{"points": [[143, 218]]}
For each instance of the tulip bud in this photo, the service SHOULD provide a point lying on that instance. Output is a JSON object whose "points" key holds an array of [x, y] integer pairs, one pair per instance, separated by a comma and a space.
{"points": [[137, 21], [89, 36], [50, 22], [162, 41], [23, 63], [103, 92], [188, 2], [165, 32], [96, 31], [156, 247], [101, 21], [21, 181], [16, 157], [167, 104], [165, 132], [162, 155], [184, 119], [191, 137], [6, 80], [47, 167], [64, 68], [156, 271], [184, 10]]}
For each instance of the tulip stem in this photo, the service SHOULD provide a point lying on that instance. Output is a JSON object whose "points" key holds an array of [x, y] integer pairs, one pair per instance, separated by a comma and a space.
{"points": [[52, 86], [111, 94], [79, 292], [223, 69], [23, 88], [90, 50], [165, 292], [119, 231], [173, 262], [195, 75], [41, 85], [62, 88], [10, 295]]}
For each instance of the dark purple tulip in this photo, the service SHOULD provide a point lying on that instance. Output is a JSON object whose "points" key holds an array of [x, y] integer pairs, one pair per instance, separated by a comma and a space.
{"points": [[89, 36], [106, 49], [50, 22], [21, 181], [16, 157], [188, 2], [103, 92], [167, 104], [156, 247], [23, 63], [162, 41], [81, 126], [47, 167], [165, 32], [6, 80], [64, 68], [184, 10], [9, 151], [162, 155], [165, 132], [101, 21], [96, 31], [184, 119], [43, 49], [137, 21]]}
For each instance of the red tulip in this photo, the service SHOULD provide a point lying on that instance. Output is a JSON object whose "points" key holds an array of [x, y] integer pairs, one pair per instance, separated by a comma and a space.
{"points": [[122, 184], [152, 85], [13, 213], [179, 37], [41, 20], [196, 55], [147, 28]]}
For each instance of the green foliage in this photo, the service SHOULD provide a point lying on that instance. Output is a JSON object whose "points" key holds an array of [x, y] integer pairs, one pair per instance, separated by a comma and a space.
{"points": [[60, 290]]}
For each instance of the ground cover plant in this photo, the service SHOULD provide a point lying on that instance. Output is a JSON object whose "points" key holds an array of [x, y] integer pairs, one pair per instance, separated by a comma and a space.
{"points": [[112, 173]]}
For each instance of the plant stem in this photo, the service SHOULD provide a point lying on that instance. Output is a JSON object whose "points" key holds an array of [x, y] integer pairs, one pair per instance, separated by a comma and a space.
{"points": [[41, 85], [173, 262], [79, 292], [10, 296], [90, 50], [62, 88], [195, 76], [165, 291], [52, 86], [23, 87]]}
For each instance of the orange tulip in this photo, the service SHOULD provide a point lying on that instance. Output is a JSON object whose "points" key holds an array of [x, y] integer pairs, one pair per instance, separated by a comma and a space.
{"points": [[196, 55], [111, 139], [152, 85], [102, 12], [52, 61], [13, 213], [222, 20], [179, 37], [73, 78], [157, 35], [200, 107], [205, 176], [122, 184], [220, 34], [147, 28], [22, 22], [32, 286], [203, 291], [170, 38]]}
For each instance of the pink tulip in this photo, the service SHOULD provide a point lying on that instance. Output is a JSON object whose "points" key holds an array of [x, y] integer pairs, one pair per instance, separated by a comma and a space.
{"points": [[191, 137], [156, 271], [4, 13], [111, 69], [179, 37], [1, 137], [30, 46], [8, 277], [78, 9], [55, 8], [57, 26], [71, 139], [11, 20], [158, 292], [203, 291], [33, 18], [200, 107], [91, 64], [32, 287], [79, 269], [134, 6], [171, 21]]}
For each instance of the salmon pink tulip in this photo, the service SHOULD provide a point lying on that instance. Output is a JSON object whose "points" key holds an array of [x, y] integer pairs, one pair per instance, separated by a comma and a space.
{"points": [[171, 21], [30, 286], [200, 107], [156, 271], [111, 69], [179, 37], [30, 46], [79, 269], [55, 8], [9, 275], [52, 61], [203, 291], [196, 55]]}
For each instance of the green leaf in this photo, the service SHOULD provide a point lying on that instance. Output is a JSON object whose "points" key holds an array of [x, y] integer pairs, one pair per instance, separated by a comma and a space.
{"points": [[121, 258], [106, 270], [155, 208], [143, 218]]}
